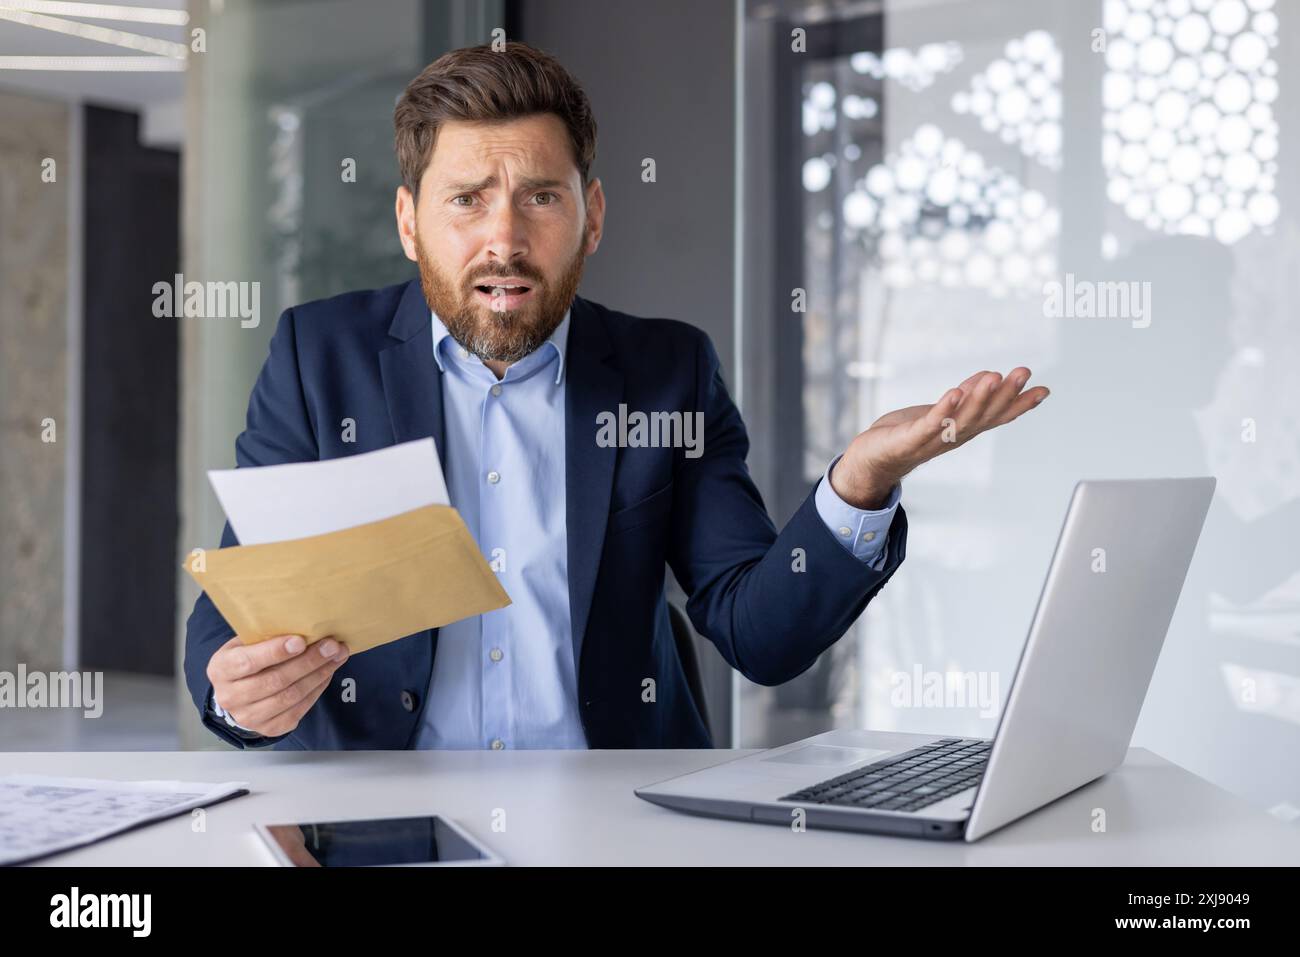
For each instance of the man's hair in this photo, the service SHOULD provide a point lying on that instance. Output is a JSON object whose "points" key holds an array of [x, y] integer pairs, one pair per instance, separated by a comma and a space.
{"points": [[478, 83]]}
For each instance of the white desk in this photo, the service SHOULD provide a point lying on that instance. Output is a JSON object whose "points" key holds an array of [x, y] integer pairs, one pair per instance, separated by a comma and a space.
{"points": [[577, 807]]}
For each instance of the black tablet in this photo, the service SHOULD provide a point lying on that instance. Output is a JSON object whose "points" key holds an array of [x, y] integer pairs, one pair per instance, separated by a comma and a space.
{"points": [[379, 842]]}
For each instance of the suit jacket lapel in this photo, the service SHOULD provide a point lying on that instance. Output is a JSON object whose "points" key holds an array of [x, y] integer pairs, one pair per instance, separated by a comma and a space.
{"points": [[412, 381], [594, 385], [413, 392]]}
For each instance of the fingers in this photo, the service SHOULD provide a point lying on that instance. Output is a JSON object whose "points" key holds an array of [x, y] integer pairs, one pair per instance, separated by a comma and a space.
{"points": [[1005, 394], [983, 401], [281, 712], [235, 660], [1023, 403], [928, 427], [1018, 403], [942, 410], [326, 653], [1009, 403], [971, 409], [287, 720], [970, 382], [997, 401]]}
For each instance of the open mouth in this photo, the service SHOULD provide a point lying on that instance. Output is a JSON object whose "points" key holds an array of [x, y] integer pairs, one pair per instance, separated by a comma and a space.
{"points": [[503, 296]]}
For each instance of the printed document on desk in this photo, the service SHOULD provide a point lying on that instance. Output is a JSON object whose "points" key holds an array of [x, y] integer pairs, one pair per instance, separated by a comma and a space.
{"points": [[41, 815]]}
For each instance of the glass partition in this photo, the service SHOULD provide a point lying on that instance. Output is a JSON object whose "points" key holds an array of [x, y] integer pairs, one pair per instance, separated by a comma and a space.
{"points": [[1097, 191]]}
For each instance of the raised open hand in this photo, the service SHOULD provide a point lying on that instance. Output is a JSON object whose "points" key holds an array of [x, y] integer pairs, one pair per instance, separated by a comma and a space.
{"points": [[899, 441]]}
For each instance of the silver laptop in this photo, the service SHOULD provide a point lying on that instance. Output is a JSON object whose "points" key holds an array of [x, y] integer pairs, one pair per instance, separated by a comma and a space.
{"points": [[1083, 674]]}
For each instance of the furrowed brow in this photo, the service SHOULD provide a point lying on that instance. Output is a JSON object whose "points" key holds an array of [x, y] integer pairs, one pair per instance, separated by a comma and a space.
{"points": [[474, 187], [525, 183]]}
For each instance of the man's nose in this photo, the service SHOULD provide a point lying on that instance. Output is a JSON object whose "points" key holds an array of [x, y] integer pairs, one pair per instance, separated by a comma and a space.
{"points": [[507, 234]]}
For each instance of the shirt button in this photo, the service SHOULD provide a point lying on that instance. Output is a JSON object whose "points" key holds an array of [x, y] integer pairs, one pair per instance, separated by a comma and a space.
{"points": [[498, 744], [868, 536], [493, 478], [464, 353], [496, 654], [845, 531], [496, 390]]}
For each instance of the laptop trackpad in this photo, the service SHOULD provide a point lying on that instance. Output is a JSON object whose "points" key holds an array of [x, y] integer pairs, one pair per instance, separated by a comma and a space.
{"points": [[820, 754]]}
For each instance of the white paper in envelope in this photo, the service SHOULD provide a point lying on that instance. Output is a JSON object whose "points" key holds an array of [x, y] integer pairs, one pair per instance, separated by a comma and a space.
{"points": [[277, 503]]}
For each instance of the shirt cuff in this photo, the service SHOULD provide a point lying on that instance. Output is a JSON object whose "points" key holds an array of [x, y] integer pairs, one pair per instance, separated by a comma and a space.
{"points": [[863, 532], [220, 712]]}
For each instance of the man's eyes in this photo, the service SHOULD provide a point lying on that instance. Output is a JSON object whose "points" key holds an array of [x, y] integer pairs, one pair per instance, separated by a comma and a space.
{"points": [[540, 199]]}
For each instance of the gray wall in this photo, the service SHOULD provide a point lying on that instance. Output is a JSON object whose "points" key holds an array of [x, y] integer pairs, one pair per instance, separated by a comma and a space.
{"points": [[33, 378], [661, 80]]}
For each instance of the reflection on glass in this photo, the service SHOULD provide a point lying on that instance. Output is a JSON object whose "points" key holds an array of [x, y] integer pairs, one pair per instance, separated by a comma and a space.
{"points": [[935, 210], [1018, 97], [1190, 143]]}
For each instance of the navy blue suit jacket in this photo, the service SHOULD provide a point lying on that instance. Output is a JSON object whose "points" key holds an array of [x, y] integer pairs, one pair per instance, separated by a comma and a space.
{"points": [[368, 356]]}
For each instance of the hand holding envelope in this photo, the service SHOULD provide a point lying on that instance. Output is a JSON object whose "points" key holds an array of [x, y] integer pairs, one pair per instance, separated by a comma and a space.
{"points": [[364, 549]]}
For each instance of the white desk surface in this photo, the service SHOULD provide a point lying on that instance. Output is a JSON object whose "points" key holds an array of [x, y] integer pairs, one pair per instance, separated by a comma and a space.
{"points": [[577, 807]]}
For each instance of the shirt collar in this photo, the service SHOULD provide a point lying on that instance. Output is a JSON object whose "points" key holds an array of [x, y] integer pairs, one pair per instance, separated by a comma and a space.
{"points": [[558, 340]]}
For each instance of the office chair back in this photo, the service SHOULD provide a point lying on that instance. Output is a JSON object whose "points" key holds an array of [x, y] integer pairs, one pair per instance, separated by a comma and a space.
{"points": [[684, 639]]}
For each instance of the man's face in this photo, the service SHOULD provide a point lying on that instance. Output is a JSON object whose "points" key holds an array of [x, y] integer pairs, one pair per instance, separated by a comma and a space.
{"points": [[501, 230]]}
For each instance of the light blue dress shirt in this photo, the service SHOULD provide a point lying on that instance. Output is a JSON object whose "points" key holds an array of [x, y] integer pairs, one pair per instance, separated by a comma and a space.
{"points": [[507, 678]]}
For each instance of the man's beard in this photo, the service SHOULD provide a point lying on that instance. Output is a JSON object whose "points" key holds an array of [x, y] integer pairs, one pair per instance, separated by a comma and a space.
{"points": [[502, 335]]}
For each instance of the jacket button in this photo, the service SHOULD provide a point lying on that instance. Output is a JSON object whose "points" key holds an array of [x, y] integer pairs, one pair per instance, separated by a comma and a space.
{"points": [[409, 700]]}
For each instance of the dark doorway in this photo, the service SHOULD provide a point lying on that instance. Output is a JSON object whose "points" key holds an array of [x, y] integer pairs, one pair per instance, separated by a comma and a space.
{"points": [[129, 408]]}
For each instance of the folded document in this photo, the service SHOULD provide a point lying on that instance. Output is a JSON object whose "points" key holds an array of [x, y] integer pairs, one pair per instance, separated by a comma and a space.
{"points": [[43, 815], [363, 583]]}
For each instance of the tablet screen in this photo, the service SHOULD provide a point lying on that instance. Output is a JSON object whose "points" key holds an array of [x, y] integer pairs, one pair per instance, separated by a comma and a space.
{"points": [[386, 841]]}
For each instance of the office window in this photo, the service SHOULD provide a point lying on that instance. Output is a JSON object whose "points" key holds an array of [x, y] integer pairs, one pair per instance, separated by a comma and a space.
{"points": [[1095, 190]]}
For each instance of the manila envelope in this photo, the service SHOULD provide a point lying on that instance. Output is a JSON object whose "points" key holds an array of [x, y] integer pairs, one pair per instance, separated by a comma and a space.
{"points": [[363, 586]]}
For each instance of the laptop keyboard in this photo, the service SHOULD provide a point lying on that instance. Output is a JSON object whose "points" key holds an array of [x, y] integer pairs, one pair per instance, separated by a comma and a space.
{"points": [[905, 782]]}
